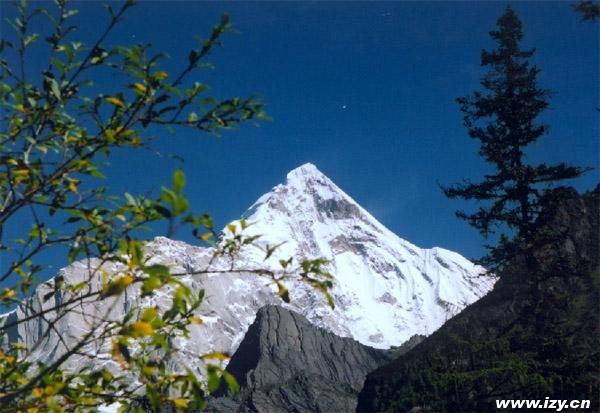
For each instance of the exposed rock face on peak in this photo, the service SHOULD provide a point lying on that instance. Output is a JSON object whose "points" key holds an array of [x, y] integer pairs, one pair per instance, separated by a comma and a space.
{"points": [[287, 364], [386, 289]]}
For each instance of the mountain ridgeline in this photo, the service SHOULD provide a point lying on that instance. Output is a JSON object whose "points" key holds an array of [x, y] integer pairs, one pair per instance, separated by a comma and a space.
{"points": [[534, 335], [386, 289]]}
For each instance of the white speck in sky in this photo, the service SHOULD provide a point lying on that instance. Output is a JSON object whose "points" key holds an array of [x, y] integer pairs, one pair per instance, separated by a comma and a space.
{"points": [[344, 106]]}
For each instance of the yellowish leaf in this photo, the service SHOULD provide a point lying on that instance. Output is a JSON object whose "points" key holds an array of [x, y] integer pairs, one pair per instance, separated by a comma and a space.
{"points": [[88, 400], [117, 355], [118, 285], [140, 87], [196, 320], [232, 228], [37, 392], [121, 131], [149, 314], [115, 101], [180, 403], [216, 355], [8, 293], [142, 329], [161, 75]]}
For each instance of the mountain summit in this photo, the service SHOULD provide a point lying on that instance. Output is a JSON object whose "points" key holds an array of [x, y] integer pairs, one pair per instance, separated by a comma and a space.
{"points": [[386, 289]]}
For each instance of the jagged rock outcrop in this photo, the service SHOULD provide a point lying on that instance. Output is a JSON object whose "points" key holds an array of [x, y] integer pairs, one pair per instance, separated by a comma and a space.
{"points": [[285, 364], [534, 336]]}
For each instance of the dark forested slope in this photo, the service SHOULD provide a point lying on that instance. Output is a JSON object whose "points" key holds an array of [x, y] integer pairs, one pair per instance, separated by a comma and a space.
{"points": [[534, 336]]}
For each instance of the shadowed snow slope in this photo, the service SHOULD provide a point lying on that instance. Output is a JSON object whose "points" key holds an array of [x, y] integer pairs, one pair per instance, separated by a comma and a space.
{"points": [[386, 289]]}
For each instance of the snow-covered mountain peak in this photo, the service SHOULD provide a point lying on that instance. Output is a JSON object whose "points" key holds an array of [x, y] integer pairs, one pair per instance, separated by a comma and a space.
{"points": [[386, 289], [308, 179], [307, 192], [305, 172]]}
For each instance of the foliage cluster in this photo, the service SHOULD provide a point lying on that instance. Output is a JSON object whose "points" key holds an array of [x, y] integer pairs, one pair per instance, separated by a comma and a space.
{"points": [[589, 10], [58, 130]]}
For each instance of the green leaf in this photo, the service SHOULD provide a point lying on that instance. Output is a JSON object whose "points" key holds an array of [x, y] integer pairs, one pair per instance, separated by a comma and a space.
{"points": [[231, 382], [70, 13], [192, 117], [149, 314], [151, 284], [54, 88], [59, 64], [30, 39], [178, 181], [329, 300], [130, 199], [136, 252], [213, 381], [157, 270], [181, 205], [165, 212], [283, 292], [153, 396]]}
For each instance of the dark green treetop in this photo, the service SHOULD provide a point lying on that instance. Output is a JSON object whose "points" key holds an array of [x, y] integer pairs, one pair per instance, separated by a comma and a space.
{"points": [[503, 117], [590, 10]]}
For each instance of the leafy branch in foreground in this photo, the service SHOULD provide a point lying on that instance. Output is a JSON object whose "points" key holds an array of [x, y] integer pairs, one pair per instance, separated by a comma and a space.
{"points": [[57, 131]]}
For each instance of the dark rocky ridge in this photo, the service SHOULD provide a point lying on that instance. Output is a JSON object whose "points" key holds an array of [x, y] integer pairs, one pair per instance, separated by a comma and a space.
{"points": [[286, 364], [534, 336]]}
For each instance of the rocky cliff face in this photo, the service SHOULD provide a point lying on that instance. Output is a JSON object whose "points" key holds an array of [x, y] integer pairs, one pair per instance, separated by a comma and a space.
{"points": [[534, 336], [386, 289], [286, 364]]}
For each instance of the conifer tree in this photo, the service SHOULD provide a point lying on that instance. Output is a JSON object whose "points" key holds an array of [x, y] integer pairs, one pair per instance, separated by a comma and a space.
{"points": [[589, 10], [503, 117]]}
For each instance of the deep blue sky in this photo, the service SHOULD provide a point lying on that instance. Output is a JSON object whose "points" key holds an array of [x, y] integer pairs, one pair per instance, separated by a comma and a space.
{"points": [[366, 91]]}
